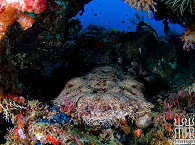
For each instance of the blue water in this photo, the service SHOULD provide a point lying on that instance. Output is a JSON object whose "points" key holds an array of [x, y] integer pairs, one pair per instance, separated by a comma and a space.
{"points": [[117, 15]]}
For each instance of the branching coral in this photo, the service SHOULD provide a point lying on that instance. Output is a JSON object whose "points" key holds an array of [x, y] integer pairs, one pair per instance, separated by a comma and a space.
{"points": [[144, 4], [104, 97]]}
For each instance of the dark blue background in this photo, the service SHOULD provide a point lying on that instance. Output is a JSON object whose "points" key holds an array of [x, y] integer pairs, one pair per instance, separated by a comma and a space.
{"points": [[117, 15]]}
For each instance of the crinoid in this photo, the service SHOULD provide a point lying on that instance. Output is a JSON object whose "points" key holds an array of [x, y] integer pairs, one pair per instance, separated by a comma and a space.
{"points": [[104, 97], [180, 6]]}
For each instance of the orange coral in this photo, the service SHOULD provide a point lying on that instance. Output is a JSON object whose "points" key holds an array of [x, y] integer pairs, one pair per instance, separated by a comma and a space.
{"points": [[144, 4], [9, 15], [13, 11]]}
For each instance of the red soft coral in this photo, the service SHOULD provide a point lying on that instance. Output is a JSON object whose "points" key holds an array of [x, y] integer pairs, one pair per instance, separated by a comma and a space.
{"points": [[13, 10], [31, 6], [9, 16]]}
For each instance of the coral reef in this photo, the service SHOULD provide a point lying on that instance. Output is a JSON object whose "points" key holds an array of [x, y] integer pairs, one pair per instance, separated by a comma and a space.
{"points": [[34, 123], [177, 108], [177, 11], [41, 124], [104, 97]]}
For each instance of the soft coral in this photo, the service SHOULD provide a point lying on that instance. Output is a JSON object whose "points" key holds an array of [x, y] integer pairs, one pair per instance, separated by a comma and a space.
{"points": [[13, 11], [31, 6], [9, 16]]}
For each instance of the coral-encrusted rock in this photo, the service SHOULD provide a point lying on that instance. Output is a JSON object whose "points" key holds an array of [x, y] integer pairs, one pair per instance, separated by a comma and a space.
{"points": [[104, 97]]}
